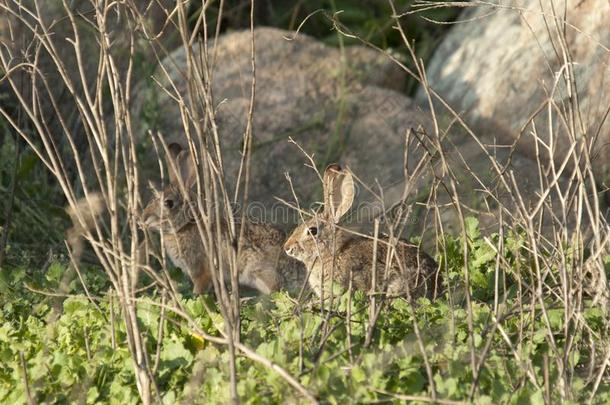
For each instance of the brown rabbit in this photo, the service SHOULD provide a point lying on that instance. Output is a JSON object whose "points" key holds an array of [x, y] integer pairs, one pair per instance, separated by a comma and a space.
{"points": [[331, 254], [261, 262]]}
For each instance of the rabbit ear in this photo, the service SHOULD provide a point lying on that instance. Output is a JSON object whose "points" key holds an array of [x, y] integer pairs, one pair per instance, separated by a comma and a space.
{"points": [[172, 158], [338, 192], [174, 149], [188, 169], [179, 159]]}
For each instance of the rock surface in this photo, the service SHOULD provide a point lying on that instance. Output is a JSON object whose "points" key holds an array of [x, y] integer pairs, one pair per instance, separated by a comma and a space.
{"points": [[329, 103], [19, 21], [499, 66], [335, 107]]}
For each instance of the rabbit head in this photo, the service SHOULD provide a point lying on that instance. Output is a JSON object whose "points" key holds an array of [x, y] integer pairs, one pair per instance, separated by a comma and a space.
{"points": [[314, 238], [168, 210]]}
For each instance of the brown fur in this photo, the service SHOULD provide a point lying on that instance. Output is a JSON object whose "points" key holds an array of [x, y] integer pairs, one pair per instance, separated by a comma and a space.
{"points": [[333, 255], [261, 262]]}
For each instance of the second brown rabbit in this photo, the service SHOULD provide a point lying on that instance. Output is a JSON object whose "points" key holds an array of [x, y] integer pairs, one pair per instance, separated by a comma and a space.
{"points": [[261, 261], [331, 254]]}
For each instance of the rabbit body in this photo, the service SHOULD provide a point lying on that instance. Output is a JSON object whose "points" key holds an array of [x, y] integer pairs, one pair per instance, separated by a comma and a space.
{"points": [[332, 255], [261, 262]]}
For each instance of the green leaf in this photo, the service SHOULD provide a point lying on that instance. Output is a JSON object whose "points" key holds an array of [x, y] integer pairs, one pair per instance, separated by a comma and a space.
{"points": [[483, 255], [556, 318], [76, 306], [174, 353], [537, 398], [92, 395], [358, 374], [472, 228]]}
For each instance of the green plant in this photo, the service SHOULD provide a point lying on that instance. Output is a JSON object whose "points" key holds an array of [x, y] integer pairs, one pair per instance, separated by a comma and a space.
{"points": [[76, 342]]}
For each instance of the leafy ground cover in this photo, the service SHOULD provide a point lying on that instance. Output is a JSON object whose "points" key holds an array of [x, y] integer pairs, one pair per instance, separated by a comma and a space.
{"points": [[58, 349]]}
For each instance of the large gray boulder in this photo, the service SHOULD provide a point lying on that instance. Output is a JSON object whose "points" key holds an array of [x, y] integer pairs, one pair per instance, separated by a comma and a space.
{"points": [[499, 66], [338, 108], [331, 104]]}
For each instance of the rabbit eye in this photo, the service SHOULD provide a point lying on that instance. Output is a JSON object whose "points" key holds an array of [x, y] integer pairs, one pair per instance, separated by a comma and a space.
{"points": [[169, 203], [313, 231]]}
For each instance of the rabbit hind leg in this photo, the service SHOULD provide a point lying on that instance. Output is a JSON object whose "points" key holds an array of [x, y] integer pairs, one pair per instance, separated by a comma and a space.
{"points": [[264, 280], [201, 281]]}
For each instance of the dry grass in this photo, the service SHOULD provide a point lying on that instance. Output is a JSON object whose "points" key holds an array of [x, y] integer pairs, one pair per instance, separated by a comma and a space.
{"points": [[96, 165]]}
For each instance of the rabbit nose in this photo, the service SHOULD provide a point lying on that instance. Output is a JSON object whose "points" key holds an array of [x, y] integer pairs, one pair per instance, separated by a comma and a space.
{"points": [[147, 221], [288, 249]]}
